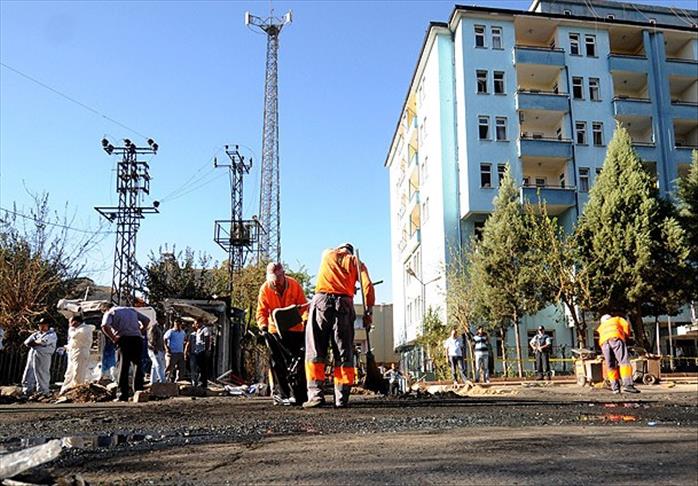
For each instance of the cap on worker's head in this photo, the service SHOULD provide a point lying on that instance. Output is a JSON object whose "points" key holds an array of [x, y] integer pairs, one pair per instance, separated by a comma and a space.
{"points": [[347, 246], [43, 322], [541, 328], [605, 317], [275, 268]]}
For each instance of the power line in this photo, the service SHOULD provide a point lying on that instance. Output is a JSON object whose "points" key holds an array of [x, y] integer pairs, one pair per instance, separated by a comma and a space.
{"points": [[71, 99], [58, 225]]}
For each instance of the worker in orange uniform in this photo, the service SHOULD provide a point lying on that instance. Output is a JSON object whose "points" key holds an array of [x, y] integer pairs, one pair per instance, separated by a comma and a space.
{"points": [[613, 333], [331, 321], [280, 291]]}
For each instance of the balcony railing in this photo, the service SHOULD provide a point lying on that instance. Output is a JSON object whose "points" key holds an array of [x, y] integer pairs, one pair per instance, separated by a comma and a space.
{"points": [[626, 105], [524, 54], [526, 136], [682, 145], [541, 100], [624, 62], [539, 91]]}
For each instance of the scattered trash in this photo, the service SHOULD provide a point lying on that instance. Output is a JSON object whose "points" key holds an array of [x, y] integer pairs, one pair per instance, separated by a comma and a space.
{"points": [[651, 424], [257, 389], [610, 405], [20, 461]]}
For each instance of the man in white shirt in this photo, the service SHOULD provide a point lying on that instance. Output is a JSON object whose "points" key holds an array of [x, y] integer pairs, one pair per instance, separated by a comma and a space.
{"points": [[42, 345], [454, 350]]}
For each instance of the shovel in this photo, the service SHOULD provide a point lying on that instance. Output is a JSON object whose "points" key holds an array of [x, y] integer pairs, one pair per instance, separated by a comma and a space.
{"points": [[374, 379]]}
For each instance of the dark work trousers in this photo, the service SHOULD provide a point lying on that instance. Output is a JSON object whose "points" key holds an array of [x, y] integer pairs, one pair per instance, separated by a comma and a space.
{"points": [[294, 342], [542, 364], [131, 349], [330, 322], [200, 376], [457, 368]]}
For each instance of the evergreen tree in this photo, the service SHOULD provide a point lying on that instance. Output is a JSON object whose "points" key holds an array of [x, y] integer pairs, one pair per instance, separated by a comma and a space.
{"points": [[688, 217], [628, 242], [503, 265]]}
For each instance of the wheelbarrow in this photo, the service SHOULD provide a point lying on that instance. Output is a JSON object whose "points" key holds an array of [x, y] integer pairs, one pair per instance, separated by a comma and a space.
{"points": [[646, 367], [588, 368]]}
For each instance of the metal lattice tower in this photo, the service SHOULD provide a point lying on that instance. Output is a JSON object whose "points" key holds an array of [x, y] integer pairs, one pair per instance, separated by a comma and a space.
{"points": [[269, 197], [239, 237], [132, 181]]}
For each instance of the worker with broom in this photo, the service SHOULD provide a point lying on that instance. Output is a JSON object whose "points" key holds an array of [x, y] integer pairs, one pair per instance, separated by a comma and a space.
{"points": [[331, 321]]}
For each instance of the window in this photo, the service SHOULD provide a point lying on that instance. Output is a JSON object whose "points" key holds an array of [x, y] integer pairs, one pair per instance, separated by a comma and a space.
{"points": [[583, 179], [598, 171], [501, 169], [574, 44], [577, 88], [425, 210], [581, 129], [423, 130], [485, 175], [567, 12], [540, 181], [590, 44], [527, 181], [480, 36], [423, 170], [597, 133], [478, 228], [501, 128], [561, 178], [484, 127], [496, 38], [611, 17], [594, 89], [481, 81], [498, 82]]}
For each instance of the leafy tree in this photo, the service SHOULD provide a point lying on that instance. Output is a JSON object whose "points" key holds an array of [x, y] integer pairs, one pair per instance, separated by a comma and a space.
{"points": [[563, 280], [432, 341], [508, 285], [631, 246], [40, 261], [688, 217]]}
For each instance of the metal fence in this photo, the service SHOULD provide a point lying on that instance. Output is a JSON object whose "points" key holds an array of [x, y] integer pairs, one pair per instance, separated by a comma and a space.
{"points": [[13, 361]]}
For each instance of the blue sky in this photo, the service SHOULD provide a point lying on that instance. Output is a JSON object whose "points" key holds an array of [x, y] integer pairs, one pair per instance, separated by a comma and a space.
{"points": [[191, 75]]}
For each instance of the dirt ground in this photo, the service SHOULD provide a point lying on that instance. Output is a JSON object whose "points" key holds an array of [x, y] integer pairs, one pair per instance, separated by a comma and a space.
{"points": [[541, 435]]}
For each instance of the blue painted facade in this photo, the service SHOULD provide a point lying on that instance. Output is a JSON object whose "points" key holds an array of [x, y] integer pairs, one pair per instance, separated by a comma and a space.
{"points": [[559, 105]]}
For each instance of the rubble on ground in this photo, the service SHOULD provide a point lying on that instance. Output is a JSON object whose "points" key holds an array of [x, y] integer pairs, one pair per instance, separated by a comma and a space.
{"points": [[92, 392]]}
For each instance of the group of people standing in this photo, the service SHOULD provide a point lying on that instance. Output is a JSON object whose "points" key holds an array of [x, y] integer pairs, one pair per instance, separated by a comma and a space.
{"points": [[455, 351]]}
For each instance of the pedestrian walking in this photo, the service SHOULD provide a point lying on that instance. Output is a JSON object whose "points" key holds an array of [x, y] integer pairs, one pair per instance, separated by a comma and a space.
{"points": [[614, 331], [78, 349], [331, 321], [481, 343], [156, 352], [37, 372], [124, 326], [542, 345], [277, 292], [454, 352], [174, 352]]}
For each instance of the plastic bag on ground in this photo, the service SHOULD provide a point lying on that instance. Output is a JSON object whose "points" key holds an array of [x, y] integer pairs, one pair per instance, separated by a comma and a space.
{"points": [[20, 461]]}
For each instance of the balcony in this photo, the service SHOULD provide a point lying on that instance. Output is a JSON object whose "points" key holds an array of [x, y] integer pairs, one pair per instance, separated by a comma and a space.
{"points": [[681, 67], [546, 56], [645, 150], [557, 199], [686, 139], [534, 99], [684, 110], [412, 242], [630, 63], [625, 105], [544, 147]]}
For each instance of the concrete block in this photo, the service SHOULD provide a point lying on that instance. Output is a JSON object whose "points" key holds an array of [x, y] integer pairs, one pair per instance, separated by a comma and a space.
{"points": [[141, 396], [10, 391], [164, 390]]}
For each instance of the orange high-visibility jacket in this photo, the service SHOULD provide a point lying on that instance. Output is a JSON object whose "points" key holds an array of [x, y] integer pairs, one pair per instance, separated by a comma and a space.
{"points": [[615, 327], [269, 300], [338, 275]]}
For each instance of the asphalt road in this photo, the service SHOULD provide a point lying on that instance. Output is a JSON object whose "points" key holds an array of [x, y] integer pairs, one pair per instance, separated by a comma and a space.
{"points": [[559, 435]]}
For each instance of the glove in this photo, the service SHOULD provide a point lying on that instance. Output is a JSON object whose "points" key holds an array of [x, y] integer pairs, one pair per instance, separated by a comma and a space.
{"points": [[368, 320]]}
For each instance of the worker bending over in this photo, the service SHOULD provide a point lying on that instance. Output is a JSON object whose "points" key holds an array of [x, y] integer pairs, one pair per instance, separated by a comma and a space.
{"points": [[331, 320], [280, 291], [613, 334]]}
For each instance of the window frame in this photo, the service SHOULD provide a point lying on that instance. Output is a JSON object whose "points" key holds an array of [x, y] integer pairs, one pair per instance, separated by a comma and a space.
{"points": [[580, 85], [594, 91], [497, 35], [501, 170], [497, 125], [483, 36], [597, 129], [584, 179], [594, 53], [573, 42], [494, 83], [480, 119], [485, 170], [582, 130], [478, 80]]}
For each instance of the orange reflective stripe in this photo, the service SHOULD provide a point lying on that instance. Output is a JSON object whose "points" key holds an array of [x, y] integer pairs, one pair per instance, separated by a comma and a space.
{"points": [[626, 371], [344, 375], [315, 371], [612, 374]]}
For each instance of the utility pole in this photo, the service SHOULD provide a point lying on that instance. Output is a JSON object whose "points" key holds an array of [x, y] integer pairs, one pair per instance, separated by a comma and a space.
{"points": [[132, 181], [238, 237], [269, 197]]}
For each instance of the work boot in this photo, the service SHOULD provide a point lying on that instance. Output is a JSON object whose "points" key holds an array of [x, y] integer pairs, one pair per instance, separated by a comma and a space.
{"points": [[630, 389], [616, 392], [314, 402]]}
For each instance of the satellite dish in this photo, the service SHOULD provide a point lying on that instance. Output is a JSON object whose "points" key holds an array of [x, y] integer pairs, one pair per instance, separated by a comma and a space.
{"points": [[247, 18]]}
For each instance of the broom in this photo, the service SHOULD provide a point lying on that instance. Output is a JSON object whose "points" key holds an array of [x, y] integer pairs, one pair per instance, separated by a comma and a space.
{"points": [[374, 380]]}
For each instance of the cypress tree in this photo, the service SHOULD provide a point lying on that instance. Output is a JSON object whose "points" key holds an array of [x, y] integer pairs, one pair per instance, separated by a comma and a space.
{"points": [[688, 217], [628, 242]]}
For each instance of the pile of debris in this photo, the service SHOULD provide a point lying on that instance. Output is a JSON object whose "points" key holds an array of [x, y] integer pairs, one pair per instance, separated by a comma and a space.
{"points": [[93, 392]]}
